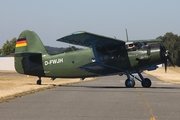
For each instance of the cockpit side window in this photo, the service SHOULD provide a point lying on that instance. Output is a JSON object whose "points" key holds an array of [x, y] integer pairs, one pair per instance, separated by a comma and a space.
{"points": [[130, 47]]}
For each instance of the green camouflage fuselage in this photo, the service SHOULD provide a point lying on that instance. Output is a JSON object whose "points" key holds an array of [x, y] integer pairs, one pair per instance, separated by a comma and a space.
{"points": [[31, 58]]}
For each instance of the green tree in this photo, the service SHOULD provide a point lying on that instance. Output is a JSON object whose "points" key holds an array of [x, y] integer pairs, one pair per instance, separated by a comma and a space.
{"points": [[8, 47], [172, 43]]}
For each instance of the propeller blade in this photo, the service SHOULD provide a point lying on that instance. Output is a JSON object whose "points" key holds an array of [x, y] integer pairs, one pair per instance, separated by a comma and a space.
{"points": [[165, 56], [165, 64], [170, 60]]}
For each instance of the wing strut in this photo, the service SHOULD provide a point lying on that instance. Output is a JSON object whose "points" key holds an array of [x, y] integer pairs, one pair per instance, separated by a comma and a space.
{"points": [[95, 52], [93, 45]]}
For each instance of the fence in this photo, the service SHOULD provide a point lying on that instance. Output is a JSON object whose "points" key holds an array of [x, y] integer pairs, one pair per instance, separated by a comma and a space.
{"points": [[7, 63]]}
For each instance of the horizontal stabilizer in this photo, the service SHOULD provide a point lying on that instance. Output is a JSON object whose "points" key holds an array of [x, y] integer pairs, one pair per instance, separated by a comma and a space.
{"points": [[21, 54]]}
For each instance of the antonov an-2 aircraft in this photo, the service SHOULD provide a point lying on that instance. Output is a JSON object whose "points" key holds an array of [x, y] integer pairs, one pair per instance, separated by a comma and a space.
{"points": [[104, 56]]}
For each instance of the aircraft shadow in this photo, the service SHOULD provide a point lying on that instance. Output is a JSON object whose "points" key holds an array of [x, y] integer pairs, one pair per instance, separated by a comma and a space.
{"points": [[109, 87], [121, 87]]}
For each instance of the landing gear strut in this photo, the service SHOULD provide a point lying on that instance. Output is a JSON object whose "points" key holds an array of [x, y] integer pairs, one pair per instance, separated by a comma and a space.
{"points": [[145, 82], [38, 81], [129, 82]]}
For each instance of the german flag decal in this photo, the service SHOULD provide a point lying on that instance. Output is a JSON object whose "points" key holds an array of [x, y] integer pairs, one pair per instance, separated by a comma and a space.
{"points": [[21, 43]]}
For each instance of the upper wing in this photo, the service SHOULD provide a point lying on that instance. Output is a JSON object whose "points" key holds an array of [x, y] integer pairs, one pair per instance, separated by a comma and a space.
{"points": [[146, 40], [108, 52], [89, 39]]}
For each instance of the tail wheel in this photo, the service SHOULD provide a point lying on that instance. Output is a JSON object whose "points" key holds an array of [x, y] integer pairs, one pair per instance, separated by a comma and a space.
{"points": [[38, 81], [146, 83], [130, 83]]}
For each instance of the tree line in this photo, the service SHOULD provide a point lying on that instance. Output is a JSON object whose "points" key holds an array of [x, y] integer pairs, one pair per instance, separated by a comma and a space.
{"points": [[9, 47], [169, 40], [172, 43]]}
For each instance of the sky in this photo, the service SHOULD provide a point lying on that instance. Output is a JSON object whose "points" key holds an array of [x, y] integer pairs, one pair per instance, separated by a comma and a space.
{"points": [[53, 19]]}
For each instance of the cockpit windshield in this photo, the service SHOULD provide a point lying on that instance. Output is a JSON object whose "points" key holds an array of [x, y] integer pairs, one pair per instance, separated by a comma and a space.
{"points": [[133, 46]]}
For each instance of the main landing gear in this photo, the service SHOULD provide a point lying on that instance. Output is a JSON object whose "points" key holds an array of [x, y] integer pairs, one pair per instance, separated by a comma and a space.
{"points": [[145, 82]]}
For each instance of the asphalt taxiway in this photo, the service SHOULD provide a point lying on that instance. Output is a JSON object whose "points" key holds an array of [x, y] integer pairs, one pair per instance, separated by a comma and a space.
{"points": [[104, 99]]}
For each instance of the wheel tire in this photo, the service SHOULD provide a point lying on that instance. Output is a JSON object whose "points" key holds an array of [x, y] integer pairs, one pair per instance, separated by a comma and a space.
{"points": [[38, 82], [146, 83], [129, 83]]}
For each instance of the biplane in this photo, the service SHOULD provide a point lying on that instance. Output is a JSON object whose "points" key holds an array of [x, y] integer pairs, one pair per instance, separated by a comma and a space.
{"points": [[103, 56]]}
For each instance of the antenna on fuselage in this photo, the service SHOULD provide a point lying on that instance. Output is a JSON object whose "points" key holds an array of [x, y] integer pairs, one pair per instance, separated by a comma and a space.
{"points": [[127, 35]]}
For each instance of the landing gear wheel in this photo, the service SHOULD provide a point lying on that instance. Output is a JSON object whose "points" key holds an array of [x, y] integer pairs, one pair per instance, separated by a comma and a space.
{"points": [[146, 83], [130, 83], [38, 82]]}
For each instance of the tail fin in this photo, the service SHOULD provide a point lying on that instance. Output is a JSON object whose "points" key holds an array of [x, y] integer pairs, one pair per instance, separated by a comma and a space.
{"points": [[29, 41], [28, 54]]}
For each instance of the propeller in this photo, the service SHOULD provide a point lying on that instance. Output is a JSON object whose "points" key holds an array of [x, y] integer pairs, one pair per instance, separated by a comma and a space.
{"points": [[165, 56]]}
